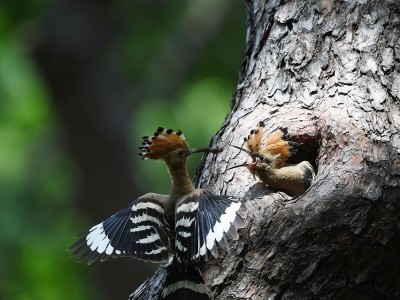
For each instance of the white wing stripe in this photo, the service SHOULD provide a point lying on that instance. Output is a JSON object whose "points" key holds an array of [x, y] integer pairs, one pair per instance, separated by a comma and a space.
{"points": [[217, 232], [185, 284], [156, 251], [186, 222], [203, 250], [93, 232], [210, 240], [150, 239], [109, 249], [97, 240], [180, 246], [188, 207], [147, 205], [141, 228], [229, 216], [145, 218], [184, 234]]}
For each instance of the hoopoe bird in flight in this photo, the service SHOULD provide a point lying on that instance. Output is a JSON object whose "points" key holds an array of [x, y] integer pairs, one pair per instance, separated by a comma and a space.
{"points": [[269, 162], [187, 224]]}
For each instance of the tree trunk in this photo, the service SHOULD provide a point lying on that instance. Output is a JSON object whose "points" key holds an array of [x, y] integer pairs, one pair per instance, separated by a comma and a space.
{"points": [[329, 71]]}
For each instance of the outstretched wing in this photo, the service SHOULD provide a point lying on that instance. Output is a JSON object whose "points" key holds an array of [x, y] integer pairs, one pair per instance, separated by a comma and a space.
{"points": [[203, 220], [139, 231]]}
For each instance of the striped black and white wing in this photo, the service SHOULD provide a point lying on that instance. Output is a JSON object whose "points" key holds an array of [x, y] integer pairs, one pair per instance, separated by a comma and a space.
{"points": [[203, 220], [138, 231]]}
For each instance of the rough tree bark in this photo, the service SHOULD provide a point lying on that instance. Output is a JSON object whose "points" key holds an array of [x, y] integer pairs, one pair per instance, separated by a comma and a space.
{"points": [[329, 71]]}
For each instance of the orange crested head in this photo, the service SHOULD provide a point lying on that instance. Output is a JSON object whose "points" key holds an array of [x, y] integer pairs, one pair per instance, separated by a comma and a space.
{"points": [[275, 150], [253, 141], [169, 146], [162, 143]]}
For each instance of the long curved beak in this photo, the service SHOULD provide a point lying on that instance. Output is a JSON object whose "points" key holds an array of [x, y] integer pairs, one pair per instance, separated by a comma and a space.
{"points": [[242, 149], [212, 150], [253, 155], [238, 166], [241, 165]]}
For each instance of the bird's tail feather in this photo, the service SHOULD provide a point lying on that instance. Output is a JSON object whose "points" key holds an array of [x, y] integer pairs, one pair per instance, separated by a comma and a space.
{"points": [[187, 284]]}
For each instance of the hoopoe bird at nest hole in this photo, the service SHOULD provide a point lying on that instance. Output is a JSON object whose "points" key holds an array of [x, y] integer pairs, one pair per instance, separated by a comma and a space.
{"points": [[187, 224], [269, 162]]}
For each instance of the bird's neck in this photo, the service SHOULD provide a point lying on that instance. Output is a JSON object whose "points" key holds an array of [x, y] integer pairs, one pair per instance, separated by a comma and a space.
{"points": [[268, 176], [181, 182]]}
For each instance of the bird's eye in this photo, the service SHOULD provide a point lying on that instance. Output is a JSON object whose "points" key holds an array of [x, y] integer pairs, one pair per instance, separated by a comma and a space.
{"points": [[181, 153]]}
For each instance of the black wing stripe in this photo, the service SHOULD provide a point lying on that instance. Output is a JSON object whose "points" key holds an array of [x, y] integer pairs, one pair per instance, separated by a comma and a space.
{"points": [[121, 242], [115, 228], [113, 224]]}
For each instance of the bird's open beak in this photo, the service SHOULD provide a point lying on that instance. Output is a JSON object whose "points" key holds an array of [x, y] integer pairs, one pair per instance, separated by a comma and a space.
{"points": [[253, 156], [212, 150]]}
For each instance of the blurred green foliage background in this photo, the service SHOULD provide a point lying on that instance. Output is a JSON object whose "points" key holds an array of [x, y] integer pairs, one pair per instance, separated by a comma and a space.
{"points": [[80, 83]]}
